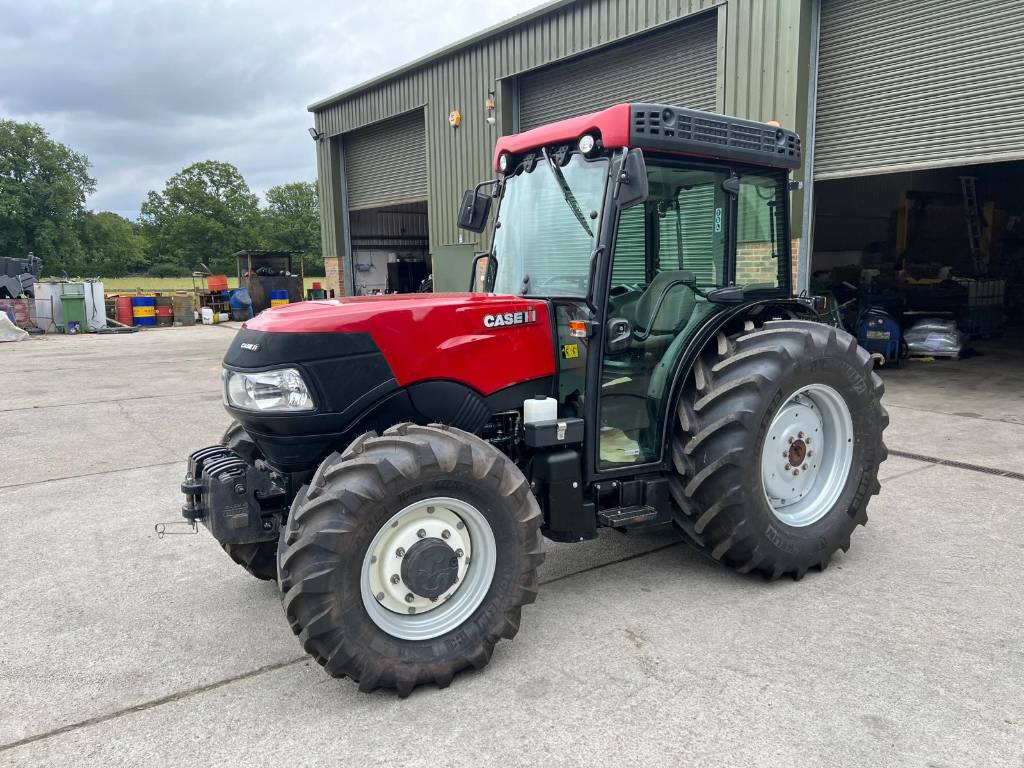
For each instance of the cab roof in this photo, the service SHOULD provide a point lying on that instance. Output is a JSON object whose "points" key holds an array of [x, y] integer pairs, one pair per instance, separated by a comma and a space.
{"points": [[669, 129]]}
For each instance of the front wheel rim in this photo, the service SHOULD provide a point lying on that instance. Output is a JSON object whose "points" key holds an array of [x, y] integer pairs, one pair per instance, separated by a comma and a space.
{"points": [[388, 603], [807, 455]]}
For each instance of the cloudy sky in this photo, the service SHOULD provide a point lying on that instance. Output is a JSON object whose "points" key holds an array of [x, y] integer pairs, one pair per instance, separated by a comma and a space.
{"points": [[146, 87]]}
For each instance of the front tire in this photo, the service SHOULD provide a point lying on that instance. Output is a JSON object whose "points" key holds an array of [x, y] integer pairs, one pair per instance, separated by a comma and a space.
{"points": [[796, 394], [349, 591]]}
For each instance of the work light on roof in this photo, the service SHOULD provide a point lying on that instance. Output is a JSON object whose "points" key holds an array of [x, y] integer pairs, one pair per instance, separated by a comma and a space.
{"points": [[503, 162], [587, 143]]}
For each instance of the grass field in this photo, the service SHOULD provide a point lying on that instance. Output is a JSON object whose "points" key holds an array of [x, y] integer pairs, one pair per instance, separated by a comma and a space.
{"points": [[164, 284]]}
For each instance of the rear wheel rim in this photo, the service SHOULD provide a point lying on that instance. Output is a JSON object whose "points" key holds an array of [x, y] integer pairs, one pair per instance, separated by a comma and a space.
{"points": [[807, 455], [391, 604]]}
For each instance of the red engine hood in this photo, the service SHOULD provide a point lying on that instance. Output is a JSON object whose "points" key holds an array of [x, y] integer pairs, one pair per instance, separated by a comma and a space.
{"points": [[485, 341]]}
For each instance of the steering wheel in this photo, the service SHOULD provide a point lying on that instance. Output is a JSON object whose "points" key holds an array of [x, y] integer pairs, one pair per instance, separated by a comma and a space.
{"points": [[579, 282], [622, 290]]}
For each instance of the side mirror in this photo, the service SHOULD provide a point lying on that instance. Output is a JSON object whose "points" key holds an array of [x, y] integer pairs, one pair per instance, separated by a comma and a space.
{"points": [[631, 180], [482, 272], [618, 335], [474, 211]]}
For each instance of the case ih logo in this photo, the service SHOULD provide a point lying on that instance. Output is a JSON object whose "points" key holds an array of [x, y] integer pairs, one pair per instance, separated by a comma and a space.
{"points": [[250, 347], [510, 318]]}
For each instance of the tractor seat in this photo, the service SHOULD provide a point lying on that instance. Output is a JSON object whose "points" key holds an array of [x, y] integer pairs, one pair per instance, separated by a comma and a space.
{"points": [[675, 310]]}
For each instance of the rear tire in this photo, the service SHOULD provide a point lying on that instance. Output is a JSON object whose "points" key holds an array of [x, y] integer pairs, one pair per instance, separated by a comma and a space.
{"points": [[258, 558], [331, 549], [723, 449]]}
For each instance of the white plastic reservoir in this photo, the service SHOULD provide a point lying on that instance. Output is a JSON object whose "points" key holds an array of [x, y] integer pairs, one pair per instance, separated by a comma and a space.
{"points": [[95, 310], [540, 408]]}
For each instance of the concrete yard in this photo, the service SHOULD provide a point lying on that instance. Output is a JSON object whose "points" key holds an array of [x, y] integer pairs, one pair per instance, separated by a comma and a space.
{"points": [[119, 649]]}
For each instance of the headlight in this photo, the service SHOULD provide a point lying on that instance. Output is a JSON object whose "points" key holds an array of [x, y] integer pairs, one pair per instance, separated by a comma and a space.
{"points": [[282, 390]]}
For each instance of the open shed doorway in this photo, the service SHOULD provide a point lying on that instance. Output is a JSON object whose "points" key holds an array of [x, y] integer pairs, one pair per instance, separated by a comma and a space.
{"points": [[900, 242], [390, 249]]}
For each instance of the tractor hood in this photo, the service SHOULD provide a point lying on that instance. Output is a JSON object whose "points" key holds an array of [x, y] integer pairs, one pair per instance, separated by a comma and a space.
{"points": [[484, 341]]}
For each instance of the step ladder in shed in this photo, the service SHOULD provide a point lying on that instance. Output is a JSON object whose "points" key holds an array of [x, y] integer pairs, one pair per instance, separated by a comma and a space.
{"points": [[972, 213]]}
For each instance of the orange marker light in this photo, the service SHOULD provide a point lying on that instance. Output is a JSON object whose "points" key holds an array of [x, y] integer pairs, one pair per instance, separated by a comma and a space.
{"points": [[578, 328]]}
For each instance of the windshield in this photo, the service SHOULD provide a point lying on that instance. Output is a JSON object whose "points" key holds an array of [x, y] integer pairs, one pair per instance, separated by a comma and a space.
{"points": [[547, 228]]}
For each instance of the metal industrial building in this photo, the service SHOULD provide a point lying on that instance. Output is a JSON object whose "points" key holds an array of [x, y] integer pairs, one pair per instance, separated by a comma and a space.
{"points": [[905, 99]]}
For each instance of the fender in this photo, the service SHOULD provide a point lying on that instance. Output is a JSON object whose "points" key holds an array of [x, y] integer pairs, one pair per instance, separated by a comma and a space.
{"points": [[684, 366]]}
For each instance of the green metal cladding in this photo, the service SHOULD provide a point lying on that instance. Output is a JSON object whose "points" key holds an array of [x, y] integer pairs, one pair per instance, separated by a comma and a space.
{"points": [[761, 55]]}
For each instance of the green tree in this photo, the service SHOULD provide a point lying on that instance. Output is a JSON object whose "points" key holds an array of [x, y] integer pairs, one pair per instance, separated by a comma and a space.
{"points": [[112, 245], [43, 186], [291, 222], [205, 213]]}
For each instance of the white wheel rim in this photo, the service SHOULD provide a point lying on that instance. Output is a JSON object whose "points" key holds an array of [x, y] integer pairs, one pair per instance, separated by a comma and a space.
{"points": [[807, 455], [391, 604]]}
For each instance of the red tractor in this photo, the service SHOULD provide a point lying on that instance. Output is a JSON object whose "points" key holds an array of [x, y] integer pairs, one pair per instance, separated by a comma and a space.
{"points": [[629, 355]]}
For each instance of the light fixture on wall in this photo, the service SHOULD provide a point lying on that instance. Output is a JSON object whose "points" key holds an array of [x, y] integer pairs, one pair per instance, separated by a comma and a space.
{"points": [[315, 134], [455, 118], [489, 106]]}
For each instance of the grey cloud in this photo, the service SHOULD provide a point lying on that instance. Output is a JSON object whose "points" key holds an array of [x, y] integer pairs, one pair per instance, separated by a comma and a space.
{"points": [[144, 88]]}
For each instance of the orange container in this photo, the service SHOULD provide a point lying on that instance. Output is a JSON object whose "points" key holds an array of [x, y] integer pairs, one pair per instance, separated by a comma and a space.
{"points": [[217, 282]]}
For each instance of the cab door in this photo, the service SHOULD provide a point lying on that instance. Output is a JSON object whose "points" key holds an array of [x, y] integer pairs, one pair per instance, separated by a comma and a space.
{"points": [[666, 253]]}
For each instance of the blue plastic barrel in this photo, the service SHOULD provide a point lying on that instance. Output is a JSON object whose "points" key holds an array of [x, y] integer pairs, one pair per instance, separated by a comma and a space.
{"points": [[143, 310]]}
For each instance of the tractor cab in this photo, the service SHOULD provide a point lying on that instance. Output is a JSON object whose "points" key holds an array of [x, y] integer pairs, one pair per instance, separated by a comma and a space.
{"points": [[638, 224]]}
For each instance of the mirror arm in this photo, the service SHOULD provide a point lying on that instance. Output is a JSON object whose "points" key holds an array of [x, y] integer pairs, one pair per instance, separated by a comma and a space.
{"points": [[496, 183]]}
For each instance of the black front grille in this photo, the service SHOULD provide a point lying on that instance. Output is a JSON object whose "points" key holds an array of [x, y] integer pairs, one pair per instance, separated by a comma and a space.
{"points": [[705, 133]]}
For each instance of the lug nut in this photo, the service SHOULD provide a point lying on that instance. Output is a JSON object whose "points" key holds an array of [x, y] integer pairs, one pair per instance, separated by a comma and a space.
{"points": [[459, 553], [380, 597], [792, 439], [788, 467], [810, 453], [395, 578], [446, 534], [412, 609], [804, 467], [400, 552], [796, 472], [421, 534], [373, 558], [410, 597], [807, 440], [800, 435], [460, 525]]}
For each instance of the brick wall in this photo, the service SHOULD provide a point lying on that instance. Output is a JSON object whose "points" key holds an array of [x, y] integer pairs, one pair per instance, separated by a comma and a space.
{"points": [[335, 275], [754, 262]]}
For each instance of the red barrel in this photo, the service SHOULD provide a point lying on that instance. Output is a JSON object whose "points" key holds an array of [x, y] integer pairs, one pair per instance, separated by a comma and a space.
{"points": [[123, 310], [164, 312]]}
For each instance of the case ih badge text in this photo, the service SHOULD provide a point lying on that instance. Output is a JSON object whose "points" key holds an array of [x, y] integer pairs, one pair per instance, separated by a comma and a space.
{"points": [[510, 318]]}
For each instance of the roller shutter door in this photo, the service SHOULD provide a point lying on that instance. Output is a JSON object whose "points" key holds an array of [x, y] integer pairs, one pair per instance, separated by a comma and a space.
{"points": [[386, 163], [906, 86], [676, 65]]}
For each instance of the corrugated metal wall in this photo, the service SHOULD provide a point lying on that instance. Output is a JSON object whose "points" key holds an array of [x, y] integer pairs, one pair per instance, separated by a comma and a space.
{"points": [[906, 86], [758, 54], [675, 65], [385, 163]]}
